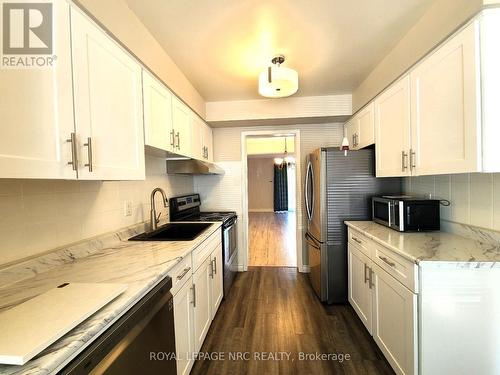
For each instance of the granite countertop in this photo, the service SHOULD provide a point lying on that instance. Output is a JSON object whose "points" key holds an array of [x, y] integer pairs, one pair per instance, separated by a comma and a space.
{"points": [[107, 259], [429, 246]]}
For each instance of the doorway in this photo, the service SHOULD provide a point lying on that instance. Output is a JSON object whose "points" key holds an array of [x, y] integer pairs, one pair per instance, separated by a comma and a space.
{"points": [[271, 185]]}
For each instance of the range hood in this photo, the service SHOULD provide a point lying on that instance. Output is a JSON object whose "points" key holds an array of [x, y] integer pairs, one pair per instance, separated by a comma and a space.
{"points": [[192, 167]]}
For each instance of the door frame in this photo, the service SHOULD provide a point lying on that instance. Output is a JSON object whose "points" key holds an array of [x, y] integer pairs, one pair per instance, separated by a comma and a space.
{"points": [[298, 197]]}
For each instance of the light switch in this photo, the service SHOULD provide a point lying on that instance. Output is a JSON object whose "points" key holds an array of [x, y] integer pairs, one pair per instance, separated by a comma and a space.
{"points": [[127, 208]]}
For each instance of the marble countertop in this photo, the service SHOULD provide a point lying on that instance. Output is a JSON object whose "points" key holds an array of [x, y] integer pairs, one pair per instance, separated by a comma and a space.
{"points": [[108, 259], [429, 246]]}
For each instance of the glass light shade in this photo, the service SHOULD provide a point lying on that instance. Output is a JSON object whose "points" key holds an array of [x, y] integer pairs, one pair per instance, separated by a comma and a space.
{"points": [[289, 159], [284, 82], [278, 161]]}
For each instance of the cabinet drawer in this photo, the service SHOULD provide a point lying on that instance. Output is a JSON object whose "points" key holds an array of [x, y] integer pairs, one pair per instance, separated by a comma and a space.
{"points": [[180, 273], [402, 269], [361, 242], [205, 249]]}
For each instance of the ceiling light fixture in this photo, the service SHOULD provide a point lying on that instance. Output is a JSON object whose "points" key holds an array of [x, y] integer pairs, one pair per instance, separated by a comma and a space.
{"points": [[278, 82], [285, 161]]}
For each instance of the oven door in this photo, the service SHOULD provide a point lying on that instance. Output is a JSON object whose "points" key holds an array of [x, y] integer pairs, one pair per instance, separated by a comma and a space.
{"points": [[230, 244]]}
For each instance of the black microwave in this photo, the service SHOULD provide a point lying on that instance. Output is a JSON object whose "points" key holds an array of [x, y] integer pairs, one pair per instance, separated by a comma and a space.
{"points": [[406, 214]]}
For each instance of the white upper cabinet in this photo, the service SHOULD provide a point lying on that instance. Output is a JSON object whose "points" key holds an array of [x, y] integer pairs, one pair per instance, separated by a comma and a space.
{"points": [[158, 131], [208, 142], [108, 105], [182, 124], [351, 130], [198, 147], [37, 113], [392, 127], [359, 130], [366, 127], [445, 108]]}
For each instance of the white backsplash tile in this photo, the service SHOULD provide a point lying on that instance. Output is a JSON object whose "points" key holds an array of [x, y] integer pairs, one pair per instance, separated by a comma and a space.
{"points": [[40, 215], [475, 197], [442, 190], [481, 200], [460, 198], [496, 201]]}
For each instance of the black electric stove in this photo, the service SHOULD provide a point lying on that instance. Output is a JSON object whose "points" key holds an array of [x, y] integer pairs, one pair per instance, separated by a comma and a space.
{"points": [[187, 208]]}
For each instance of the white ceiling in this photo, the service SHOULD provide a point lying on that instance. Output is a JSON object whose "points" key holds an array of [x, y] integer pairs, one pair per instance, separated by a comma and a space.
{"points": [[222, 45]]}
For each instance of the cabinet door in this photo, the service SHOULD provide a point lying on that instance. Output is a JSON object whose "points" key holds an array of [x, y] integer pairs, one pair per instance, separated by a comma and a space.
{"points": [[208, 142], [182, 124], [108, 105], [395, 322], [360, 293], [184, 325], [392, 130], [445, 108], [37, 112], [202, 302], [158, 131], [217, 290], [351, 131], [366, 127], [197, 127]]}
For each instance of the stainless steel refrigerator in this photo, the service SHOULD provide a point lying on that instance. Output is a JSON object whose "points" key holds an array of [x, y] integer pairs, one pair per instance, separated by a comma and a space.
{"points": [[337, 187]]}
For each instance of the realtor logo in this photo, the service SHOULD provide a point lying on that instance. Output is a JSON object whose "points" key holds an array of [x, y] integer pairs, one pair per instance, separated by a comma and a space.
{"points": [[27, 35], [27, 28]]}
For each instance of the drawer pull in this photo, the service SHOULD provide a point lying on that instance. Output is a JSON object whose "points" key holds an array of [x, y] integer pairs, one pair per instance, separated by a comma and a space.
{"points": [[184, 272], [357, 240], [387, 261], [366, 269]]}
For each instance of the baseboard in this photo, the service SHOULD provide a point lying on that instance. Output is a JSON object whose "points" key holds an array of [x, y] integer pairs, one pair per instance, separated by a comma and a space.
{"points": [[260, 210], [241, 268], [304, 269]]}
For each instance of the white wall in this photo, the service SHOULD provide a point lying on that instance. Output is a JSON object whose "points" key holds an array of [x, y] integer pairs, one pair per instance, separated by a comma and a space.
{"points": [[475, 197], [260, 184], [40, 215], [224, 192]]}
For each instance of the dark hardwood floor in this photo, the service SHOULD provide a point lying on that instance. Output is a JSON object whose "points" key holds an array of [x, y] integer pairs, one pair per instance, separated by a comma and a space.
{"points": [[274, 310]]}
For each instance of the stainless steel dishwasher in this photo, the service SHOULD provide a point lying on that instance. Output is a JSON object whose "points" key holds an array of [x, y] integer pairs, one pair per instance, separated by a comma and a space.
{"points": [[142, 341]]}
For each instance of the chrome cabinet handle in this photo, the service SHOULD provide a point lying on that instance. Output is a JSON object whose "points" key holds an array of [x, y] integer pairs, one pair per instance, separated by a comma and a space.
{"points": [[370, 279], [357, 240], [178, 136], [184, 272], [74, 155], [404, 161], [366, 269], [412, 159], [211, 274], [89, 153], [387, 261], [172, 138], [215, 265], [193, 288]]}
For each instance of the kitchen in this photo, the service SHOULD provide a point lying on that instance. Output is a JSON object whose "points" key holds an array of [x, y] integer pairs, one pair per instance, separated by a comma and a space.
{"points": [[139, 130]]}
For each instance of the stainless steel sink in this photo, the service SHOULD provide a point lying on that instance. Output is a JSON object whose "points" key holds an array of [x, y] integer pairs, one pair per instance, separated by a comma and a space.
{"points": [[173, 232]]}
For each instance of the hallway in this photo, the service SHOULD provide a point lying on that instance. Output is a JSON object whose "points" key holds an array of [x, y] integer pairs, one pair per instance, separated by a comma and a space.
{"points": [[273, 310], [272, 240]]}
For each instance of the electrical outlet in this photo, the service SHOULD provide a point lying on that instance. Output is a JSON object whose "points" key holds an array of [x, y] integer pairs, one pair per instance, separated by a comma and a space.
{"points": [[127, 208]]}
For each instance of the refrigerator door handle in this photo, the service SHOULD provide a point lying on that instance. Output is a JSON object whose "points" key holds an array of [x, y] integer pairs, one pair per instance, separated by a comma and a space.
{"points": [[309, 179]]}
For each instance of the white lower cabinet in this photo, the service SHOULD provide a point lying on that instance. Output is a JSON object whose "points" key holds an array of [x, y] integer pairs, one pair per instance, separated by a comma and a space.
{"points": [[183, 322], [395, 321], [387, 308], [202, 302], [360, 295], [197, 286], [216, 285]]}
